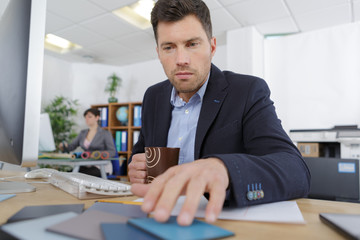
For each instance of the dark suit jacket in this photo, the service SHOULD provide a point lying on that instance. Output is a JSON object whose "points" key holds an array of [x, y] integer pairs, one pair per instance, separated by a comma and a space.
{"points": [[238, 125]]}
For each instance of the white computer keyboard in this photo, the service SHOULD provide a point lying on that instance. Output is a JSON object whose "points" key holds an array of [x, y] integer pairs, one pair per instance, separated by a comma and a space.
{"points": [[84, 186]]}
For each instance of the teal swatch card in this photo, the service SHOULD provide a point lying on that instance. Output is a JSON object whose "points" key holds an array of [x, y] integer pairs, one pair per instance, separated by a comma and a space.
{"points": [[123, 231], [172, 230]]}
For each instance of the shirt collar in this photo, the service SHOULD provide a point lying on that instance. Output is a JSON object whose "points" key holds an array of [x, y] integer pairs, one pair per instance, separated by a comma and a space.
{"points": [[176, 101]]}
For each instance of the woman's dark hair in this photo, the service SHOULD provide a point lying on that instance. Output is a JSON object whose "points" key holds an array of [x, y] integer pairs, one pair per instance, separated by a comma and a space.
{"points": [[94, 111], [175, 10]]}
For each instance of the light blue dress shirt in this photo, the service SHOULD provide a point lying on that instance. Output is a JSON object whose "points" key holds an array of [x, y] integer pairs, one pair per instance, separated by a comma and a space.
{"points": [[184, 121]]}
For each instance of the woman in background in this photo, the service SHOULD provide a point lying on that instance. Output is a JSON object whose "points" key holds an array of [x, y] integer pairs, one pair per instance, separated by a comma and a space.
{"points": [[93, 139]]}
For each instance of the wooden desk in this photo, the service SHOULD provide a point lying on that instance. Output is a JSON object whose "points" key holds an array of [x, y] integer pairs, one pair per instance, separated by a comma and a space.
{"points": [[76, 163], [46, 194]]}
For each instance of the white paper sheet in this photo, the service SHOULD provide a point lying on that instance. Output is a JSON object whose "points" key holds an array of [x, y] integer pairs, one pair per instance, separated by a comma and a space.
{"points": [[282, 212]]}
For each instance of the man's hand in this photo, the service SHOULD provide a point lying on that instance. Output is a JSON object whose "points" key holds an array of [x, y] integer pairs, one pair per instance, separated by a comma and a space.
{"points": [[193, 179], [137, 168]]}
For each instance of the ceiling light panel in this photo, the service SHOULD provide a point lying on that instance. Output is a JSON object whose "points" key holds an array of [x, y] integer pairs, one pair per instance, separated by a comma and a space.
{"points": [[137, 14]]}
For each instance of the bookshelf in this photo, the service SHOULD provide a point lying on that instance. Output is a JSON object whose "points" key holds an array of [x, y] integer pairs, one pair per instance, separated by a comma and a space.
{"points": [[126, 130]]}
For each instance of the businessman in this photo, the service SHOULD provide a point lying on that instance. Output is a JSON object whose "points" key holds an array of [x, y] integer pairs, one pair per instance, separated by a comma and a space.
{"points": [[233, 147]]}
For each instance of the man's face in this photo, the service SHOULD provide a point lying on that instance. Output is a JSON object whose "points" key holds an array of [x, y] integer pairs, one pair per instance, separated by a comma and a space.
{"points": [[185, 53]]}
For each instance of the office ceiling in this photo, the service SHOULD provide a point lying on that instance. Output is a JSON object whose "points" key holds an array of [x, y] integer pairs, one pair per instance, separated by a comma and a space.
{"points": [[109, 40]]}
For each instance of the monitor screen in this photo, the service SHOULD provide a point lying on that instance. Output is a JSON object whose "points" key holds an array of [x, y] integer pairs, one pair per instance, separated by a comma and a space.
{"points": [[22, 30]]}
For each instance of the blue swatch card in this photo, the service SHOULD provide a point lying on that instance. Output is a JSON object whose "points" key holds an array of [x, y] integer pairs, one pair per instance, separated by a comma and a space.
{"points": [[172, 230], [3, 197], [115, 231]]}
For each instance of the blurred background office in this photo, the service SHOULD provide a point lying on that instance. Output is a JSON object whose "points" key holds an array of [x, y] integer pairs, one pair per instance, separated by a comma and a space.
{"points": [[307, 51]]}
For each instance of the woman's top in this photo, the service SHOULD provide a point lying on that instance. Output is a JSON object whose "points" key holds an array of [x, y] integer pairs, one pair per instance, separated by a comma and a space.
{"points": [[102, 141], [87, 143]]}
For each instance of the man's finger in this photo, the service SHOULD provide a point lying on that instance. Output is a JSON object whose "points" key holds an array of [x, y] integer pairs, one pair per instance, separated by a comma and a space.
{"points": [[137, 180], [140, 189], [140, 165], [153, 194], [216, 202], [133, 174], [194, 192], [157, 189], [173, 186], [137, 174]]}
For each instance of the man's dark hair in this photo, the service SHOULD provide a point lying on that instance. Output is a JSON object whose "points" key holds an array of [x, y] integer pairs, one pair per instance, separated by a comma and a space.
{"points": [[176, 10], [94, 111]]}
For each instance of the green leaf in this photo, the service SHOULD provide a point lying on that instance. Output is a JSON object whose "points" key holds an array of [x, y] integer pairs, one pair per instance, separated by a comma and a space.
{"points": [[62, 111], [113, 84]]}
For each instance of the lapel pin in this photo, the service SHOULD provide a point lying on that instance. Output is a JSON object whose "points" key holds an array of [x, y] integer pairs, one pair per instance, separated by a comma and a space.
{"points": [[217, 101]]}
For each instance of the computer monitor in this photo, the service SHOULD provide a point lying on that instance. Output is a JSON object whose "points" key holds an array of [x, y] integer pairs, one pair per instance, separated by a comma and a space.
{"points": [[22, 30], [334, 178], [46, 138]]}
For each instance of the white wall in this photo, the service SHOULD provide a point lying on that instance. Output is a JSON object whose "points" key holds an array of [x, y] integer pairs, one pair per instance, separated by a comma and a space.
{"points": [[220, 58], [245, 51], [315, 77], [57, 79]]}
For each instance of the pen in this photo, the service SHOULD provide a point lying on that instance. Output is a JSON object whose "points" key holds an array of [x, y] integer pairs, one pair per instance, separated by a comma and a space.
{"points": [[123, 202]]}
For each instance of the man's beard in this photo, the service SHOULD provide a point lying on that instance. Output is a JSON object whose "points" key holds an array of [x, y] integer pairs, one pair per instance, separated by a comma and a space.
{"points": [[177, 83]]}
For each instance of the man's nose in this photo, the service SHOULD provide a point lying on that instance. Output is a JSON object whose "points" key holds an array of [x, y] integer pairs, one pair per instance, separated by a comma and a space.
{"points": [[182, 57]]}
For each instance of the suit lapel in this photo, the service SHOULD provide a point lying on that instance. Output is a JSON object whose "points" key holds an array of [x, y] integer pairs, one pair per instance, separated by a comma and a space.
{"points": [[212, 102], [162, 114]]}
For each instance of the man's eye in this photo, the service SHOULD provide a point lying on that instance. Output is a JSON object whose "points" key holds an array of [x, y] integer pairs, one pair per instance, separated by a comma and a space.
{"points": [[193, 44], [167, 48]]}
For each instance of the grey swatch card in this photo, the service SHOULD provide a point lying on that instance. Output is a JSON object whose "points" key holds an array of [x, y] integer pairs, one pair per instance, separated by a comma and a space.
{"points": [[127, 210], [86, 225], [30, 212]]}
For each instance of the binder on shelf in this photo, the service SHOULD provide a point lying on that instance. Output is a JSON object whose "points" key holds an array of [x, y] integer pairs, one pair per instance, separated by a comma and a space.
{"points": [[104, 117], [124, 141], [99, 121], [136, 134], [118, 140], [137, 116]]}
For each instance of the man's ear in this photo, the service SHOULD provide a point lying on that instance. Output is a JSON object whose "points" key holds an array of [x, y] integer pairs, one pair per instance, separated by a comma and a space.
{"points": [[157, 50], [213, 46]]}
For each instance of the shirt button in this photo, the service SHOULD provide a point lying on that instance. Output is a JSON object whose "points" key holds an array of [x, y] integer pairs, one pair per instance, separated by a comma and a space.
{"points": [[180, 138], [187, 111]]}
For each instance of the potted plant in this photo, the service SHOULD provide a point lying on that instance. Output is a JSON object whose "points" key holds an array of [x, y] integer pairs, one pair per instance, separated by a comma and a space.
{"points": [[114, 82], [61, 111]]}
